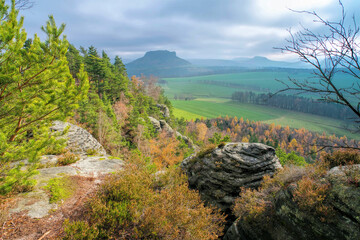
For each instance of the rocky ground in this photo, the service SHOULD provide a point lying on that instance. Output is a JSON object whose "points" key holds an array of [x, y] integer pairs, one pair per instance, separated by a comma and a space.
{"points": [[32, 215]]}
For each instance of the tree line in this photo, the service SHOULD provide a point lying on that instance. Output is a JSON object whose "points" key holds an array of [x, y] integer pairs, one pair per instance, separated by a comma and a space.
{"points": [[296, 103]]}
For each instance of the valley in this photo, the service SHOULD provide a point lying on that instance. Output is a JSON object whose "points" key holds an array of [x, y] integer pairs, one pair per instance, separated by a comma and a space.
{"points": [[210, 97]]}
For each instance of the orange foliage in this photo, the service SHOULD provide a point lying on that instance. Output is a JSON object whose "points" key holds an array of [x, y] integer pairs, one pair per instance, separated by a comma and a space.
{"points": [[201, 130], [164, 150]]}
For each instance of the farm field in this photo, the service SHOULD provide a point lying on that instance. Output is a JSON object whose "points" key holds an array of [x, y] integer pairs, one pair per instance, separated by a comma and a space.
{"points": [[259, 82], [212, 108], [212, 98]]}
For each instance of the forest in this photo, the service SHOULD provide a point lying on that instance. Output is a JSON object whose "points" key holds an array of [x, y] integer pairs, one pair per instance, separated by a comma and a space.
{"points": [[296, 103]]}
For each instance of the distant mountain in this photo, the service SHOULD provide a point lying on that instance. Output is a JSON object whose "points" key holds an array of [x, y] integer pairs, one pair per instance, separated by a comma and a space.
{"points": [[162, 63], [249, 63], [214, 62], [263, 62]]}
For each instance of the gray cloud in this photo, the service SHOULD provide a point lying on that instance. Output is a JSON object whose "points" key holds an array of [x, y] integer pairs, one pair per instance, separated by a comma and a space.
{"points": [[195, 29]]}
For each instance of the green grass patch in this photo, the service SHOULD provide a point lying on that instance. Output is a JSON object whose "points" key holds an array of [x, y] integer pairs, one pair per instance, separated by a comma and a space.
{"points": [[185, 114], [60, 189]]}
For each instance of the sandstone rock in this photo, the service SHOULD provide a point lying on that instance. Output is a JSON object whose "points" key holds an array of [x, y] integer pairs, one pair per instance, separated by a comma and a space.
{"points": [[164, 126], [290, 222], [156, 124], [79, 141], [165, 110], [219, 174], [36, 203]]}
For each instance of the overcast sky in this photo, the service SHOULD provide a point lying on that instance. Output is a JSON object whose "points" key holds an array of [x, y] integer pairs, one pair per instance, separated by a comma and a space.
{"points": [[219, 29]]}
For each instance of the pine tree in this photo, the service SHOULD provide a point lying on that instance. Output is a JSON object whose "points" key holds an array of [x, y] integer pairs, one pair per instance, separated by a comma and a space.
{"points": [[36, 88]]}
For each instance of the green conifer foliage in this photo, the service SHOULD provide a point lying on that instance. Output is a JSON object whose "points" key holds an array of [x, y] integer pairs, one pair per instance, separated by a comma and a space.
{"points": [[36, 87]]}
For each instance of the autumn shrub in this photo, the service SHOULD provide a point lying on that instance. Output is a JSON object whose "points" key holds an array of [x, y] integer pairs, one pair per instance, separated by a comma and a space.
{"points": [[139, 204], [352, 174], [67, 158], [311, 194], [252, 205], [308, 185], [257, 205], [341, 157], [165, 150], [79, 230]]}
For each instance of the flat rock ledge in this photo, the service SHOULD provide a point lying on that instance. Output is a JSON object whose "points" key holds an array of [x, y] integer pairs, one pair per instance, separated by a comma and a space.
{"points": [[36, 204]]}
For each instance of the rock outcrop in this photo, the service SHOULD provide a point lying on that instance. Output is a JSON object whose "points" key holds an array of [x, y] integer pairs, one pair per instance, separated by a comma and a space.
{"points": [[292, 223], [219, 173], [36, 203], [161, 125], [79, 140], [164, 109]]}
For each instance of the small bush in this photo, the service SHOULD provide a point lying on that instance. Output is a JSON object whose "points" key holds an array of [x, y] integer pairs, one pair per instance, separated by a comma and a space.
{"points": [[67, 158], [252, 205], [79, 230], [59, 189], [165, 151], [352, 174], [341, 157], [290, 158], [310, 195], [56, 148], [91, 152]]}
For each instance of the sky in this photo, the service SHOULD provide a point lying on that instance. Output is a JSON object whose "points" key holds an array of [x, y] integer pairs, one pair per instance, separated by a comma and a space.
{"points": [[202, 29]]}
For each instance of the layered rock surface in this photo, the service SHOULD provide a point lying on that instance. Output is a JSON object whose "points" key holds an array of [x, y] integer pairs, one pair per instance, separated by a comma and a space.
{"points": [[220, 173], [79, 140], [290, 222]]}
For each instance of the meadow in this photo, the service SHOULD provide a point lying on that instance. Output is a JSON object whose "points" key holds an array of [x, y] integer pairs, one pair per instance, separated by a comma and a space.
{"points": [[211, 101]]}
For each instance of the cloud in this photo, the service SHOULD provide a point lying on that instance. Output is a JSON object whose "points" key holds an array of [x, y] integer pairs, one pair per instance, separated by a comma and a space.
{"points": [[195, 29]]}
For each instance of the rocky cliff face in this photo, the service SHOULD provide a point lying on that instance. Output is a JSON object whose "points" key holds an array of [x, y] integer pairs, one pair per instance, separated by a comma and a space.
{"points": [[219, 174], [291, 222]]}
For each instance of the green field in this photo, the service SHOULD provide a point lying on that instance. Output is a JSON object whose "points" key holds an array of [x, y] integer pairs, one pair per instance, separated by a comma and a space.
{"points": [[247, 81], [212, 108], [213, 100]]}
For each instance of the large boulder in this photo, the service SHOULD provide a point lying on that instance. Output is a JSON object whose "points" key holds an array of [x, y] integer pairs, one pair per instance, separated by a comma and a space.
{"points": [[219, 173], [291, 222], [79, 140]]}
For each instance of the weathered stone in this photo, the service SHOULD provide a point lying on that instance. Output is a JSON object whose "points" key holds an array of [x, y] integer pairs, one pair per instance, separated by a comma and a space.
{"points": [[36, 203], [79, 140], [165, 110], [291, 222], [219, 174], [164, 126], [156, 124]]}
